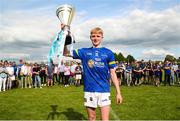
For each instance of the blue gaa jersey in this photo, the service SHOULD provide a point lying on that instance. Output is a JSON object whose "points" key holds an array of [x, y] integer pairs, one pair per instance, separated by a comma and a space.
{"points": [[96, 64]]}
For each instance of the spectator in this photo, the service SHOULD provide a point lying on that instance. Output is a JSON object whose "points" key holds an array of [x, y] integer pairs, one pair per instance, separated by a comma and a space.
{"points": [[50, 70], [128, 74], [67, 73], [61, 72], [78, 74], [11, 77], [72, 69], [37, 79], [55, 74], [24, 73], [3, 76], [43, 75], [167, 70]]}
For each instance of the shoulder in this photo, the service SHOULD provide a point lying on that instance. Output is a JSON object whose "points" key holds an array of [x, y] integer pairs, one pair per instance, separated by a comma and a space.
{"points": [[107, 51], [81, 51]]}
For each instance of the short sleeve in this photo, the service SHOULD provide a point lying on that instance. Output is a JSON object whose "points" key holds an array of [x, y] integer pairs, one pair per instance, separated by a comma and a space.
{"points": [[77, 53], [111, 60]]}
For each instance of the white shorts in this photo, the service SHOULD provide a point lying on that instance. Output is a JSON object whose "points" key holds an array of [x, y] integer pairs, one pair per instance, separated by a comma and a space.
{"points": [[12, 78], [78, 76], [94, 99]]}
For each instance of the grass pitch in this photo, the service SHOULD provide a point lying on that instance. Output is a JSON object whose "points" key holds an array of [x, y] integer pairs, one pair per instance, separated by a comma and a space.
{"points": [[60, 103]]}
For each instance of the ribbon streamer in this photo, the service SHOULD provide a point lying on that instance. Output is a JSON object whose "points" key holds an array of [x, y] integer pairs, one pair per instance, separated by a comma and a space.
{"points": [[58, 45]]}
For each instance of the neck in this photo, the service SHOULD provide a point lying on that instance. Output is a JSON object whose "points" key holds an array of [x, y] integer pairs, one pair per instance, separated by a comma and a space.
{"points": [[99, 46]]}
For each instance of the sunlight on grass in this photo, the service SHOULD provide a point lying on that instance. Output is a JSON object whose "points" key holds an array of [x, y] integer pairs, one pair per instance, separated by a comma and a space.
{"points": [[59, 103]]}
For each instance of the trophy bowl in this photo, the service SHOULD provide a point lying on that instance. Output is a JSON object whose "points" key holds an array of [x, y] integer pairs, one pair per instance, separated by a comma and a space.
{"points": [[65, 14]]}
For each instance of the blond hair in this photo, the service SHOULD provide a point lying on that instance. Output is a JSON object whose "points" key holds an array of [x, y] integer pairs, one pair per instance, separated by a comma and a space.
{"points": [[97, 30]]}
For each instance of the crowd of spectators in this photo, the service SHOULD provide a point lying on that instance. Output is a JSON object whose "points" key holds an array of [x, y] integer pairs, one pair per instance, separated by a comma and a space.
{"points": [[153, 73], [34, 75]]}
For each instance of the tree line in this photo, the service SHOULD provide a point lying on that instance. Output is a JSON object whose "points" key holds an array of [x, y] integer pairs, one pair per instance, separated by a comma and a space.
{"points": [[120, 57]]}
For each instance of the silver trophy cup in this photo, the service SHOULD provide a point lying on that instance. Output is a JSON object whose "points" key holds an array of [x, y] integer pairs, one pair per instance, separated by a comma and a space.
{"points": [[65, 14]]}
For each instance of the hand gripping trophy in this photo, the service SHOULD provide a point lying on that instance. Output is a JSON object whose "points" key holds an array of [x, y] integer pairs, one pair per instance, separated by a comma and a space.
{"points": [[65, 14]]}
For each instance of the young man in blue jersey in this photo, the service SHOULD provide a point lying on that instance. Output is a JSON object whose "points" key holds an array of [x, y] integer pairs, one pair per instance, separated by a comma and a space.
{"points": [[99, 67]]}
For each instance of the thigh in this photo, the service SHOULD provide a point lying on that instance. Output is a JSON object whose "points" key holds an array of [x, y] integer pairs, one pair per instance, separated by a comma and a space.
{"points": [[105, 112], [1, 80], [4, 80], [91, 113]]}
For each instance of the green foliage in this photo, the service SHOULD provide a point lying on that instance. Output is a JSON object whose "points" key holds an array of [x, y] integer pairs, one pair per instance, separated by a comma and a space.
{"points": [[130, 58], [178, 61], [121, 57], [170, 58], [116, 56], [60, 103]]}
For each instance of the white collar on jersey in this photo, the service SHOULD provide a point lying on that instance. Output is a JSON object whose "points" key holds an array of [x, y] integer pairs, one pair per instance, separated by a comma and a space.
{"points": [[99, 46]]}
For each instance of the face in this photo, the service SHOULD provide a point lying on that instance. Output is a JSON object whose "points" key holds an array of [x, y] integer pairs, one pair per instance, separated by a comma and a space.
{"points": [[96, 39]]}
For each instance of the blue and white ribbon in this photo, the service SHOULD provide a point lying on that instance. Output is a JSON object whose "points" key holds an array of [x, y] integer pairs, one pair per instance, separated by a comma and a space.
{"points": [[58, 45]]}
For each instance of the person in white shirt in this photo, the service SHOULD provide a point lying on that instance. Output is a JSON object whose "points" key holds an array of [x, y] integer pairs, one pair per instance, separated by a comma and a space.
{"points": [[175, 69], [67, 74], [3, 76], [61, 72], [29, 75], [24, 73], [55, 73], [11, 76]]}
